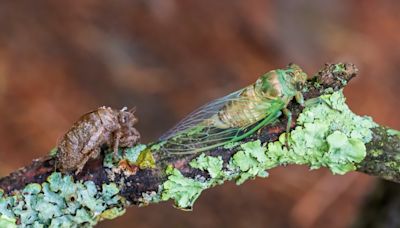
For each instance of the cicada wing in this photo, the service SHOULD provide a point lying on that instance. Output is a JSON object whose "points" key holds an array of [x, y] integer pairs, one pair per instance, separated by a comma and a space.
{"points": [[199, 115], [202, 137], [208, 137]]}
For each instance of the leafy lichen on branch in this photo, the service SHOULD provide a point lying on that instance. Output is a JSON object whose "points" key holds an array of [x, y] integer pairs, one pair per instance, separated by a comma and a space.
{"points": [[328, 135], [61, 202]]}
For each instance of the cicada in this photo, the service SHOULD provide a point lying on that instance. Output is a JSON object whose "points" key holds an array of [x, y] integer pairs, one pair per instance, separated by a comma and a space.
{"points": [[238, 115], [101, 126]]}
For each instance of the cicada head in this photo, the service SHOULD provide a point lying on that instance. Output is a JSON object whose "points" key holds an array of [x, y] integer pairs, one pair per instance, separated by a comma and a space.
{"points": [[297, 77], [292, 80], [281, 83]]}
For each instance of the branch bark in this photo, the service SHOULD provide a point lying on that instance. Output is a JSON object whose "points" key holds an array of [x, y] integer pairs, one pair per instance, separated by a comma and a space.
{"points": [[382, 158]]}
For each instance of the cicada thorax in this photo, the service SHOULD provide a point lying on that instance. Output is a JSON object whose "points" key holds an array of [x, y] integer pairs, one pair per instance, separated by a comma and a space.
{"points": [[269, 86], [109, 118]]}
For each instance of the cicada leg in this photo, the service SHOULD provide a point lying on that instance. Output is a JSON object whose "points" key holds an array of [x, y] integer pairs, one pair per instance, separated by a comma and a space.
{"points": [[271, 118], [299, 98], [319, 100], [117, 137], [93, 154], [288, 114]]}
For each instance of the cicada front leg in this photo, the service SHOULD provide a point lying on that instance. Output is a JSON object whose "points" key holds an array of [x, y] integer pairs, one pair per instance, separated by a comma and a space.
{"points": [[93, 154], [299, 98], [288, 114], [319, 100], [117, 137]]}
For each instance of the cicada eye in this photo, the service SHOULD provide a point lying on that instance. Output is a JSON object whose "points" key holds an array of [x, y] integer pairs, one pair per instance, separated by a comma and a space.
{"points": [[291, 74], [272, 93], [299, 85]]}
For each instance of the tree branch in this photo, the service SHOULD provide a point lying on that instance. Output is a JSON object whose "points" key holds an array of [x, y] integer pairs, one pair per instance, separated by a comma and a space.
{"points": [[145, 174]]}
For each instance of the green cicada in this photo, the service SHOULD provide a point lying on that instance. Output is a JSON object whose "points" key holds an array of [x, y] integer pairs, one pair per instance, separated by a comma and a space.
{"points": [[237, 115]]}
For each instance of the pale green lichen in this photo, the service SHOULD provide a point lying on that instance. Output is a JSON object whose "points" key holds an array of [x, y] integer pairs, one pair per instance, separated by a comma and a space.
{"points": [[248, 163], [376, 152], [213, 165], [139, 155], [183, 190], [329, 135], [392, 132], [151, 197], [132, 154], [231, 145], [7, 222], [251, 160], [344, 152], [61, 202]]}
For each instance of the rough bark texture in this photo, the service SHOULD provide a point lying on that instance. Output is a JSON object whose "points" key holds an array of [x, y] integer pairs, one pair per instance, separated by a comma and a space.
{"points": [[383, 158]]}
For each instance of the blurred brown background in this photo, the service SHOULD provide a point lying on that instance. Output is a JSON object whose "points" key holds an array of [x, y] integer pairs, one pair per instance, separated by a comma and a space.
{"points": [[60, 59]]}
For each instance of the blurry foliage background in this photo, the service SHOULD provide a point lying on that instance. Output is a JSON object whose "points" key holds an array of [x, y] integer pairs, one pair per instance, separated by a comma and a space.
{"points": [[61, 59]]}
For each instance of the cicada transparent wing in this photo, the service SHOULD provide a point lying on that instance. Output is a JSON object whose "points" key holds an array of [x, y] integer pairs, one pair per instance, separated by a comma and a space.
{"points": [[195, 133], [199, 115]]}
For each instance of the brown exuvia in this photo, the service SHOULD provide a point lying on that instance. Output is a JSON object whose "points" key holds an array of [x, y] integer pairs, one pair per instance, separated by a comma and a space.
{"points": [[104, 126]]}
